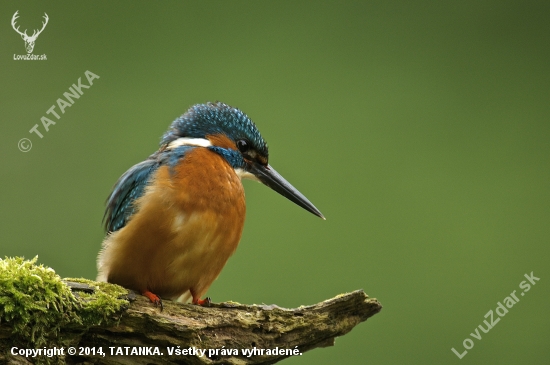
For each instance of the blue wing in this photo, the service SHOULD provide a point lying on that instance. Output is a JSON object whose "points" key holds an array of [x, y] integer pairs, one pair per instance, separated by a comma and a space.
{"points": [[128, 188], [131, 185]]}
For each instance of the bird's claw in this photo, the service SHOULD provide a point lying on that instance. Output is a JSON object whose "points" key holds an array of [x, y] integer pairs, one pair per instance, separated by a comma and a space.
{"points": [[154, 299], [203, 302]]}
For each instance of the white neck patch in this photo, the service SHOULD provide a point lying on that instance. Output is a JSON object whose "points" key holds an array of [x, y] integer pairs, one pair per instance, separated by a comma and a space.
{"points": [[243, 174], [184, 141]]}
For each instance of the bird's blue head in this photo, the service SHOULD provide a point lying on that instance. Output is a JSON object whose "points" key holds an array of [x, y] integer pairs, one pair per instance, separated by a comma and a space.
{"points": [[203, 120], [232, 134]]}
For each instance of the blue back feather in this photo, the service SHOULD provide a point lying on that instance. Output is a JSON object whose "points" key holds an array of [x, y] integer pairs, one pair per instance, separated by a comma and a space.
{"points": [[131, 186], [128, 188]]}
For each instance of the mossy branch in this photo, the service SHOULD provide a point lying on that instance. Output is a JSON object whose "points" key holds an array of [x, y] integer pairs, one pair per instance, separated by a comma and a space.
{"points": [[109, 317]]}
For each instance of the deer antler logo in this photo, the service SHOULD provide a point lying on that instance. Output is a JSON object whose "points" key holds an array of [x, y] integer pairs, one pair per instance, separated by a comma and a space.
{"points": [[29, 41]]}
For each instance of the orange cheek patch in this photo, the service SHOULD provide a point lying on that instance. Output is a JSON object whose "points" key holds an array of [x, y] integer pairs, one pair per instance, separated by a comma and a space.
{"points": [[221, 140]]}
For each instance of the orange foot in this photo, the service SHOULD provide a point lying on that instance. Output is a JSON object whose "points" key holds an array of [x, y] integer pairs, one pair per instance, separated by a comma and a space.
{"points": [[153, 298], [202, 302]]}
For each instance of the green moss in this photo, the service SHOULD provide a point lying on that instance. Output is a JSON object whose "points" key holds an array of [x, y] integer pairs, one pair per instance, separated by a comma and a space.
{"points": [[34, 300], [37, 304], [100, 306]]}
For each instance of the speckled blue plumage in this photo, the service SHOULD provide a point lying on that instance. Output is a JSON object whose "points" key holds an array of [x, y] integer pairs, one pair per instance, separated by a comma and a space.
{"points": [[216, 118], [128, 188], [198, 122], [234, 158]]}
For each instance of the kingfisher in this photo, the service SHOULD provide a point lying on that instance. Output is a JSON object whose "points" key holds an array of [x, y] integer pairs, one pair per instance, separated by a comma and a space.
{"points": [[173, 220]]}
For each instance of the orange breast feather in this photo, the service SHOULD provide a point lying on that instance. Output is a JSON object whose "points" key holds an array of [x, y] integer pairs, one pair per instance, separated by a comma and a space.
{"points": [[188, 224]]}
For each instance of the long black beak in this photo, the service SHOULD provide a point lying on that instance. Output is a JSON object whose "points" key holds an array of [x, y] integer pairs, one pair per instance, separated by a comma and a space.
{"points": [[268, 176]]}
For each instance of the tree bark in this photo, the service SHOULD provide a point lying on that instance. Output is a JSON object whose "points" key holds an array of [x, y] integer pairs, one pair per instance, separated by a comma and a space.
{"points": [[228, 333]]}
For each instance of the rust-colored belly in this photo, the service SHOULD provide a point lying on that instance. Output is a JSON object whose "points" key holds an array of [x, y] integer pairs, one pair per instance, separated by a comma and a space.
{"points": [[188, 224]]}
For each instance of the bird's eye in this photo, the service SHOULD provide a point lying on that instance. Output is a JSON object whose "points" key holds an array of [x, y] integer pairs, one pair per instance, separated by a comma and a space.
{"points": [[243, 145]]}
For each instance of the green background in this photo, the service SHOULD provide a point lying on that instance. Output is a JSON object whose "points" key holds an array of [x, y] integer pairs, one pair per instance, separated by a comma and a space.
{"points": [[419, 129]]}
